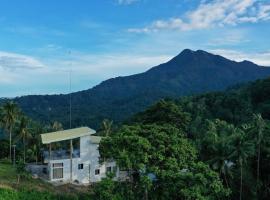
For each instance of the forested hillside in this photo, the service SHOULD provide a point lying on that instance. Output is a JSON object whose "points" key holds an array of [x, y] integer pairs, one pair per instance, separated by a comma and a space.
{"points": [[209, 146], [191, 72], [177, 139]]}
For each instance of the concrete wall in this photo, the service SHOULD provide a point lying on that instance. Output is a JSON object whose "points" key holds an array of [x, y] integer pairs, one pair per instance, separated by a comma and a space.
{"points": [[89, 157]]}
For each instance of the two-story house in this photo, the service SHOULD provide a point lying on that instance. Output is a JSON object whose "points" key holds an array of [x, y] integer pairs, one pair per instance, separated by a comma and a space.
{"points": [[73, 156]]}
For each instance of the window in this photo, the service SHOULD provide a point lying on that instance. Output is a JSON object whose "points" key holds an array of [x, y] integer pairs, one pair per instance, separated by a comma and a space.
{"points": [[97, 172], [114, 169], [58, 170], [108, 169], [80, 166], [57, 164]]}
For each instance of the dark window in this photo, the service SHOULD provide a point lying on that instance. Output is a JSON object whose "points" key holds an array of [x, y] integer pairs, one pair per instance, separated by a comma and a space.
{"points": [[80, 166], [108, 169], [97, 172], [114, 169], [57, 164]]}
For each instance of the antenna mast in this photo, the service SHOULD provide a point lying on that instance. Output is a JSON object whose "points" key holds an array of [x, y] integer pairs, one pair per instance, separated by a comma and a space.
{"points": [[70, 125], [70, 99]]}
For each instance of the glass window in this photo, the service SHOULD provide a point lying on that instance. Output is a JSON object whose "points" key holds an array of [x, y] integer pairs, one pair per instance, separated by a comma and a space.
{"points": [[108, 169], [97, 171], [80, 166], [57, 170], [57, 164], [114, 169]]}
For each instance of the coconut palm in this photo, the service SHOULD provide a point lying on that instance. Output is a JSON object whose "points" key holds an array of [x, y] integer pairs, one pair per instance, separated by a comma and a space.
{"points": [[57, 126], [107, 127], [9, 116], [23, 133], [36, 140], [259, 126], [220, 161], [242, 149]]}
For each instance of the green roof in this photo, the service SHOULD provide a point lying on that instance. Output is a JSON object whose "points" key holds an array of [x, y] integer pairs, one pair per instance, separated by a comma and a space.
{"points": [[57, 136]]}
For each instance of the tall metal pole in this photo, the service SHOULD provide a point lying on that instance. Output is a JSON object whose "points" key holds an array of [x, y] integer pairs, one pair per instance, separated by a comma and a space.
{"points": [[70, 99]]}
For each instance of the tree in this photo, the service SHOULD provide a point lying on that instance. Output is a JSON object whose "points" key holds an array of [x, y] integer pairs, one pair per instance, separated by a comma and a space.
{"points": [[198, 181], [259, 126], [215, 146], [20, 170], [4, 152], [36, 139], [164, 112], [23, 133], [106, 128], [108, 189], [128, 148], [220, 161], [161, 150], [57, 126], [10, 114], [242, 149]]}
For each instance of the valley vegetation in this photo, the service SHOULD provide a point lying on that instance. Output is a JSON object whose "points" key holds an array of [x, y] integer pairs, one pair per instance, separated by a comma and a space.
{"points": [[210, 146]]}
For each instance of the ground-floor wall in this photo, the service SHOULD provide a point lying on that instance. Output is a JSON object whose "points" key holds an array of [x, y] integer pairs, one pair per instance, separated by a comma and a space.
{"points": [[82, 171]]}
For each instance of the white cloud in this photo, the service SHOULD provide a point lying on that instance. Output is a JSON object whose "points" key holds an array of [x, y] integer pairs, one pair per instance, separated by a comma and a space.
{"points": [[12, 61], [212, 14], [230, 37], [109, 65], [50, 74], [17, 76], [126, 2], [260, 58]]}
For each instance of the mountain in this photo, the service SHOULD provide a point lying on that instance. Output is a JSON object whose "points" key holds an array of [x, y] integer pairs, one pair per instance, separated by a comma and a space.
{"points": [[190, 72]]}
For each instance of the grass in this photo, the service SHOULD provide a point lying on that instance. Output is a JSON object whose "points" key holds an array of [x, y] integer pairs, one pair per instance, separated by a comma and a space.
{"points": [[10, 189], [7, 173]]}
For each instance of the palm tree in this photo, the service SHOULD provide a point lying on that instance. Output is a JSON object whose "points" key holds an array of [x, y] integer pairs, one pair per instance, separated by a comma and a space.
{"points": [[57, 126], [259, 126], [107, 127], [10, 114], [221, 148], [36, 140], [220, 160], [242, 149], [23, 133]]}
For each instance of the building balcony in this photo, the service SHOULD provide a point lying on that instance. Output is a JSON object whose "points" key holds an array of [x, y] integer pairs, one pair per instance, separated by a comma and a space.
{"points": [[60, 155]]}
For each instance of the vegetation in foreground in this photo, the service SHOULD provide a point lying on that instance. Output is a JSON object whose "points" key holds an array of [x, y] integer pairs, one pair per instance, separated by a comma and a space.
{"points": [[212, 146], [16, 184]]}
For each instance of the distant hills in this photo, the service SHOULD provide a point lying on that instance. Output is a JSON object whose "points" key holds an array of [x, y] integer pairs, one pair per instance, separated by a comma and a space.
{"points": [[190, 72]]}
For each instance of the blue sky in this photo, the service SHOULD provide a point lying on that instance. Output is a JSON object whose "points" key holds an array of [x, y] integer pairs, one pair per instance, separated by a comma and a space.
{"points": [[41, 41]]}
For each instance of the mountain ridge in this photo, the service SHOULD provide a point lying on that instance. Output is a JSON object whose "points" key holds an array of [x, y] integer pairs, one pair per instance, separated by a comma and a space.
{"points": [[190, 72]]}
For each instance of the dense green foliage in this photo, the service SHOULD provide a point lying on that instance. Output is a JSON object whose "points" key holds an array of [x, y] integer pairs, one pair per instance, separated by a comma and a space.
{"points": [[8, 194], [17, 129], [191, 72], [229, 131], [210, 146], [156, 145]]}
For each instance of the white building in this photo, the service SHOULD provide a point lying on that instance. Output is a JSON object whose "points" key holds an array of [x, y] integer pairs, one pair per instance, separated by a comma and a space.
{"points": [[73, 156]]}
